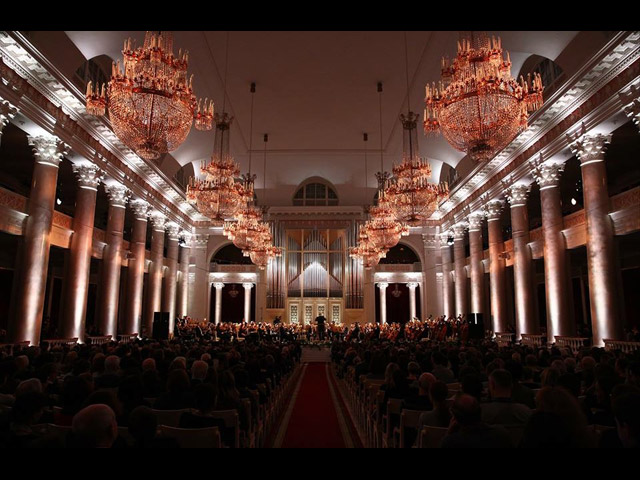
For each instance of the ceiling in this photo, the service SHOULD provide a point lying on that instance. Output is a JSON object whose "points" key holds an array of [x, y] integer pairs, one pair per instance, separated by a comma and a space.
{"points": [[316, 95]]}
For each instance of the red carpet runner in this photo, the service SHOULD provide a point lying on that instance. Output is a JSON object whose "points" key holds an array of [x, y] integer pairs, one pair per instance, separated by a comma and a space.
{"points": [[314, 421]]}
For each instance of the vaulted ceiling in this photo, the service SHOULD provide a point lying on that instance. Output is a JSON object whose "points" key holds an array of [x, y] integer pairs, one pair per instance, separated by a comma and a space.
{"points": [[316, 95]]}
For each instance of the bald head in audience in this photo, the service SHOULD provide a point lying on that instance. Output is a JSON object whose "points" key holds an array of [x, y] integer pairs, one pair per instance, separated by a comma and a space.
{"points": [[149, 364], [95, 426], [199, 370], [424, 382]]}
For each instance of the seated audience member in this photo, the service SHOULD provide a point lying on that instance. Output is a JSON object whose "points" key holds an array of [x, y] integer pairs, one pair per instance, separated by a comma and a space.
{"points": [[111, 376], [75, 391], [413, 370], [143, 428], [440, 416], [471, 385], [501, 409], [440, 370], [421, 401], [626, 409], [94, 427], [527, 379], [199, 371], [520, 393], [467, 429], [178, 394], [558, 422], [26, 413]]}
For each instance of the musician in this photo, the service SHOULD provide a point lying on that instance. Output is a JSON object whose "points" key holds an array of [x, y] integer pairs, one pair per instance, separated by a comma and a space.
{"points": [[320, 322]]}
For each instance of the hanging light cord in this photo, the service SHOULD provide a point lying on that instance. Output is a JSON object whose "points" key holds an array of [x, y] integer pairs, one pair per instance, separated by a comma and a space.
{"points": [[366, 176], [406, 64], [226, 70], [253, 91], [264, 169], [380, 105]]}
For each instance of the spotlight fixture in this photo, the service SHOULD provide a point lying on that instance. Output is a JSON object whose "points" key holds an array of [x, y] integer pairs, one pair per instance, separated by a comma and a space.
{"points": [[450, 240]]}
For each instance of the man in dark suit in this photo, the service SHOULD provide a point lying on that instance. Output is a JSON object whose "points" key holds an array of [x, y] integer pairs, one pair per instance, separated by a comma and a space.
{"points": [[320, 321]]}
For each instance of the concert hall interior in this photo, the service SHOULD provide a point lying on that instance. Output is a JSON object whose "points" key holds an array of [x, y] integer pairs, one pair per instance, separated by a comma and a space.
{"points": [[319, 239]]}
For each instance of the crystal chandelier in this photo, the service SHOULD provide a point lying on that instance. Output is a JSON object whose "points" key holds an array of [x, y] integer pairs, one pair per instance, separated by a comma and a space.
{"points": [[478, 106], [219, 196], [150, 101], [410, 194], [366, 252], [383, 230]]}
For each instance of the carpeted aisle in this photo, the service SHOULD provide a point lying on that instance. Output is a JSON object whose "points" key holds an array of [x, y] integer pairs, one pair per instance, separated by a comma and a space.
{"points": [[314, 421]]}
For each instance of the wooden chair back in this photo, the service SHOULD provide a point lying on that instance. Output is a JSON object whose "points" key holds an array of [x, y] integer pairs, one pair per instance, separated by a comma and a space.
{"points": [[193, 437], [431, 437], [169, 418]]}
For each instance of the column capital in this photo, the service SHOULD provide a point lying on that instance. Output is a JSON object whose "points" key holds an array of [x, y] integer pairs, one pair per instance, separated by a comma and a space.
{"points": [[444, 238], [429, 240], [459, 229], [7, 112], [89, 175], [383, 285], [140, 209], [590, 148], [412, 285], [517, 194], [547, 175], [173, 230], [247, 285], [118, 194], [199, 241], [475, 221], [159, 221], [48, 149], [493, 210], [218, 285]]}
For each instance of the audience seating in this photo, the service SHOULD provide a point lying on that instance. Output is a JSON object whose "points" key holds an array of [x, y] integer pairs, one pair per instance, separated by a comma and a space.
{"points": [[193, 437], [169, 418], [408, 422], [431, 437]]}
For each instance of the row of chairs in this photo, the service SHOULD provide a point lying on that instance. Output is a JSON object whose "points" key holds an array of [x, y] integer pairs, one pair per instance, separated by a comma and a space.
{"points": [[381, 428], [254, 436]]}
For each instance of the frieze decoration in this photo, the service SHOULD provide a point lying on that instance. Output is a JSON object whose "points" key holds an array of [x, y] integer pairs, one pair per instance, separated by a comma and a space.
{"points": [[630, 198], [7, 112], [574, 219], [13, 200], [62, 220]]}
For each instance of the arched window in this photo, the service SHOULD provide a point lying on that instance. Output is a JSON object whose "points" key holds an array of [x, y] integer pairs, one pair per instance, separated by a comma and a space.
{"points": [[315, 194], [551, 73], [95, 69], [400, 254]]}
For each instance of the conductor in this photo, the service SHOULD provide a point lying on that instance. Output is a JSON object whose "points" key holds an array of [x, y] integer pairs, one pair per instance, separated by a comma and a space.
{"points": [[320, 321]]}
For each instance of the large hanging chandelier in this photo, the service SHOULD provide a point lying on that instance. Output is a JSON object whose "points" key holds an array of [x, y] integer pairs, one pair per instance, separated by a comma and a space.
{"points": [[219, 196], [150, 101], [383, 230], [410, 194], [478, 106], [368, 254]]}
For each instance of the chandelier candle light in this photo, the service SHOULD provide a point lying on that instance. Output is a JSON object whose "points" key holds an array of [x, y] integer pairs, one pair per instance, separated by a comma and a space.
{"points": [[151, 103], [478, 106]]}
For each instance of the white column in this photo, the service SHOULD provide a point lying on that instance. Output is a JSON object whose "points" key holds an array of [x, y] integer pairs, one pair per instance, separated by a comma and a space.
{"points": [[247, 301], [412, 299], [383, 301], [199, 285], [218, 313]]}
